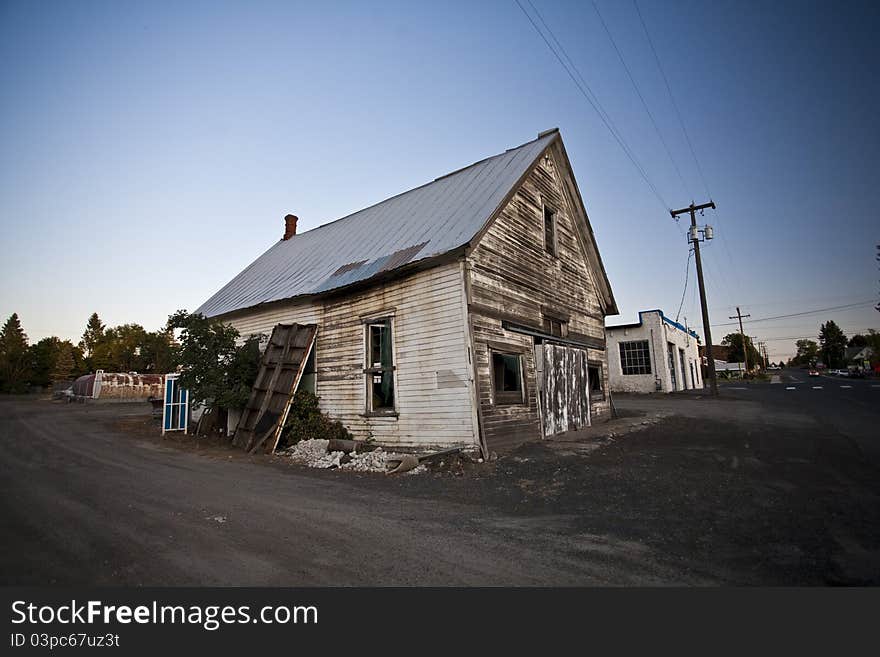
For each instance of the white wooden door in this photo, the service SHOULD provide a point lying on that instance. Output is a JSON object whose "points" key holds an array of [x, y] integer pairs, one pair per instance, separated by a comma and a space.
{"points": [[565, 389]]}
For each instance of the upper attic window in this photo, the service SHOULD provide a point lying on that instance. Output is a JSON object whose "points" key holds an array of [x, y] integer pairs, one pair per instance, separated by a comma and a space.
{"points": [[549, 231]]}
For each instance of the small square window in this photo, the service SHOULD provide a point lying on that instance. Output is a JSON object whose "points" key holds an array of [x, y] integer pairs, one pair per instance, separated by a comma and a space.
{"points": [[507, 378], [549, 231], [554, 327]]}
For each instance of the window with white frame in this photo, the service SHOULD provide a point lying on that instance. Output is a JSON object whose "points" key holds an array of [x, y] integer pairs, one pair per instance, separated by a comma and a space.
{"points": [[635, 357], [380, 367]]}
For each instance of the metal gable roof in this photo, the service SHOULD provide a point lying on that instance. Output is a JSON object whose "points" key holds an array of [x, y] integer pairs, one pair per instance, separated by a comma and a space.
{"points": [[422, 223]]}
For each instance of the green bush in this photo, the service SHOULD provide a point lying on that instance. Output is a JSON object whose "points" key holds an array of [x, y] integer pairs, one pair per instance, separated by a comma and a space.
{"points": [[306, 420]]}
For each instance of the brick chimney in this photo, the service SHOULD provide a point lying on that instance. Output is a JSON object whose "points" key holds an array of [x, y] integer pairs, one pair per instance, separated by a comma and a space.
{"points": [[289, 226]]}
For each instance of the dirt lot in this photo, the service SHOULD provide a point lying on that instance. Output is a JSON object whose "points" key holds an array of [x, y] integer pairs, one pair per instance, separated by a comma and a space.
{"points": [[688, 491]]}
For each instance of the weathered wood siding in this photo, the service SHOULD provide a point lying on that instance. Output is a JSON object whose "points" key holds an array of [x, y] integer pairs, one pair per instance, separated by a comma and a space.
{"points": [[433, 377], [511, 277]]}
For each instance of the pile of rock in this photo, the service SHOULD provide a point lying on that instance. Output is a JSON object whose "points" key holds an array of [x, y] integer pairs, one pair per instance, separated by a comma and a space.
{"points": [[318, 453], [375, 461]]}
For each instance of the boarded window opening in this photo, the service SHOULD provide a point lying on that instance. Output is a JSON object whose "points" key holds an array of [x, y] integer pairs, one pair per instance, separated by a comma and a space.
{"points": [[549, 231], [507, 378], [380, 367], [309, 381], [635, 357]]}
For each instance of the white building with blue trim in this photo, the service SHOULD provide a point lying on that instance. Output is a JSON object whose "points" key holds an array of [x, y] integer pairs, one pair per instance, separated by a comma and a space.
{"points": [[656, 354]]}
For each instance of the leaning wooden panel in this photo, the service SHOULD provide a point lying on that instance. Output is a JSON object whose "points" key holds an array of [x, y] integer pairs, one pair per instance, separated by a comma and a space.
{"points": [[280, 372]]}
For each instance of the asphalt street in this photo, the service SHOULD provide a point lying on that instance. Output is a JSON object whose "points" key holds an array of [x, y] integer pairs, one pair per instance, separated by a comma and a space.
{"points": [[773, 483], [846, 405], [84, 504]]}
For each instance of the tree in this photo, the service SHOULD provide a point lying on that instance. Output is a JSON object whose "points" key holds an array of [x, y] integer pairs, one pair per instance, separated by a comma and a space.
{"points": [[64, 363], [734, 343], [873, 339], [42, 356], [121, 347], [14, 358], [858, 340], [217, 372], [241, 373], [807, 352], [93, 335], [833, 344], [157, 352]]}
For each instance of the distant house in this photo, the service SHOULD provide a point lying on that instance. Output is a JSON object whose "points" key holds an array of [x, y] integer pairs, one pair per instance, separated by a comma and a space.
{"points": [[859, 357], [719, 352], [656, 354], [467, 311]]}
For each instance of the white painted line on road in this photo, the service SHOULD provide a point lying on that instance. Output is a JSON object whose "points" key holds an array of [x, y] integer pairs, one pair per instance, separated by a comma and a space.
{"points": [[817, 387], [874, 386], [794, 380], [846, 387], [790, 388], [737, 388]]}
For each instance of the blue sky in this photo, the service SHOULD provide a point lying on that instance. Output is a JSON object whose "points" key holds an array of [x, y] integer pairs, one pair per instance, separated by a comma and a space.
{"points": [[148, 151]]}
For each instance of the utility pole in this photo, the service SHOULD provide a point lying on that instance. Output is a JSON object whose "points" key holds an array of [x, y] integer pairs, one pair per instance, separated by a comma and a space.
{"points": [[740, 316], [694, 238]]}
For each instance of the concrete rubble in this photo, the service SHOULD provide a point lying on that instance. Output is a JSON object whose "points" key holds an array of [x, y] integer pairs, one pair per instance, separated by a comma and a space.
{"points": [[313, 453]]}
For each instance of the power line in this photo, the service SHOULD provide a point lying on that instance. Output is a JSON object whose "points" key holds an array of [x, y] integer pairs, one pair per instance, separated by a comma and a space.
{"points": [[851, 298], [672, 98], [806, 312], [687, 137], [641, 97], [687, 271], [800, 337], [588, 94]]}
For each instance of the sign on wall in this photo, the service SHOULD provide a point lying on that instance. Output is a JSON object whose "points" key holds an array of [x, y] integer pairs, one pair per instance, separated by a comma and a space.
{"points": [[175, 410]]}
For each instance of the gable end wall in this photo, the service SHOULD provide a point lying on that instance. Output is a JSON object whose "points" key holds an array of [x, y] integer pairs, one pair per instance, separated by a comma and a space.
{"points": [[511, 277]]}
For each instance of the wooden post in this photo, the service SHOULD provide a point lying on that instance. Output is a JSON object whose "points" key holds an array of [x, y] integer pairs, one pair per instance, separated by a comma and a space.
{"points": [[692, 210]]}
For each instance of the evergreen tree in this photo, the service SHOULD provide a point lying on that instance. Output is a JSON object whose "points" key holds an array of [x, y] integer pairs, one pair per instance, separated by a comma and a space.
{"points": [[92, 336], [14, 357], [833, 344], [64, 363]]}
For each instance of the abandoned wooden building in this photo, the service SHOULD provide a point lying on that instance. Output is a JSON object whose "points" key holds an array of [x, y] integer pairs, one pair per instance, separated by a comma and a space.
{"points": [[468, 311]]}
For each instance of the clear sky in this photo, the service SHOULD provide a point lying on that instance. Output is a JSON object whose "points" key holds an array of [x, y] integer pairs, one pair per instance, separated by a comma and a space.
{"points": [[148, 151]]}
